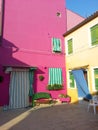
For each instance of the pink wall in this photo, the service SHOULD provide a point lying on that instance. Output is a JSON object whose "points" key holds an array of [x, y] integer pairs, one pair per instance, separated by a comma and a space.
{"points": [[0, 5], [28, 29], [76, 19]]}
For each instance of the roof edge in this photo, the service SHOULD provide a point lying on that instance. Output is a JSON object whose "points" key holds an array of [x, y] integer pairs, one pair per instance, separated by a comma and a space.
{"points": [[94, 15]]}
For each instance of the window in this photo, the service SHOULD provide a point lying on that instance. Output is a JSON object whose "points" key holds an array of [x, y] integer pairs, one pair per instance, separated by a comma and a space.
{"points": [[56, 45], [96, 78], [55, 79], [94, 35], [55, 76], [70, 46], [71, 80]]}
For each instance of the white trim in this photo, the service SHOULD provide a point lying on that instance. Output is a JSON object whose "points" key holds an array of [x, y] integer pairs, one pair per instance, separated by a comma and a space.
{"points": [[8, 70], [90, 41], [89, 38], [88, 79]]}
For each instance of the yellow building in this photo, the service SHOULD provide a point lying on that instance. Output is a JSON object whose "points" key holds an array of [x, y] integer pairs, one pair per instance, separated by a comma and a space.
{"points": [[81, 43]]}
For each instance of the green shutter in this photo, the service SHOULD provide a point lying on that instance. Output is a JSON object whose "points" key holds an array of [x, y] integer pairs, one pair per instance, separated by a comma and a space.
{"points": [[55, 76], [70, 46], [56, 45], [94, 35], [71, 80], [96, 78]]}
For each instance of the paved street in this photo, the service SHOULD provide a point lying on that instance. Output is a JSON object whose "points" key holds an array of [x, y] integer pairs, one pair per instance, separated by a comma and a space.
{"points": [[57, 117]]}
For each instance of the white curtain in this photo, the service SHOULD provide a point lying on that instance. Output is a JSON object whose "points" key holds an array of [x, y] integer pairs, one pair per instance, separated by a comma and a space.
{"points": [[19, 88]]}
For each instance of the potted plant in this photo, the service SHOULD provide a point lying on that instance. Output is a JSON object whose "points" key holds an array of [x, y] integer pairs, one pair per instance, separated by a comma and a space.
{"points": [[41, 77], [64, 98], [55, 87]]}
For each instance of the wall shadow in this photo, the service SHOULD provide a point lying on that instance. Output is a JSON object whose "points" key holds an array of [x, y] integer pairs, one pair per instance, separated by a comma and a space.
{"points": [[7, 49]]}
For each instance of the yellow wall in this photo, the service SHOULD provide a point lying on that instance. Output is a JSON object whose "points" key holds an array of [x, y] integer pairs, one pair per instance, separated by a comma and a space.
{"points": [[73, 94], [83, 55]]}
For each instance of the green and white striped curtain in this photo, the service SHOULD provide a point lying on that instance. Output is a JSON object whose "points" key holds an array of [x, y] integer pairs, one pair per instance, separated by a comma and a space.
{"points": [[19, 88], [31, 79], [55, 76], [56, 45]]}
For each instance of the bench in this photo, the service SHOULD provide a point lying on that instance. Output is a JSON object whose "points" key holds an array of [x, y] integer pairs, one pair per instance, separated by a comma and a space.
{"points": [[41, 97]]}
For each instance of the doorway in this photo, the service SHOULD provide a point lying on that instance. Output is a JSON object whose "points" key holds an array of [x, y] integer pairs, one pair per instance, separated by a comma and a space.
{"points": [[81, 79], [21, 81]]}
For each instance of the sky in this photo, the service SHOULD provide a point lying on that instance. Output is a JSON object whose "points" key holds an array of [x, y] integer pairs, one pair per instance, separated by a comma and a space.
{"points": [[84, 8]]}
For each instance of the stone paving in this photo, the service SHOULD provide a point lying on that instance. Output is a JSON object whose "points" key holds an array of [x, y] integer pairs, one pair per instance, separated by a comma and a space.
{"points": [[51, 117]]}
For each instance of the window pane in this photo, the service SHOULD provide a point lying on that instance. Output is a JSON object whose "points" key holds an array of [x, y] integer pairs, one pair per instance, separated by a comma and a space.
{"points": [[71, 80], [94, 35], [70, 47], [96, 78]]}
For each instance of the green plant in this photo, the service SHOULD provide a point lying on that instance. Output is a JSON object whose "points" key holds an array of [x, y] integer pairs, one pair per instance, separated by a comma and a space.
{"points": [[55, 87], [41, 77], [1, 79]]}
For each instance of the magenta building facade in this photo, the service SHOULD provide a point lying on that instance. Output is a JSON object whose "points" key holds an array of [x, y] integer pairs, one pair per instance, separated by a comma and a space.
{"points": [[28, 29]]}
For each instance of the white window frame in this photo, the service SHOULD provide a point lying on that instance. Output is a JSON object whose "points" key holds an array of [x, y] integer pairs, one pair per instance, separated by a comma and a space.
{"points": [[90, 40]]}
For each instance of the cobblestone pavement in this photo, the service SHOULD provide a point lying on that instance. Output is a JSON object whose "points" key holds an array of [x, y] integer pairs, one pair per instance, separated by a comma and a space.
{"points": [[55, 117]]}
